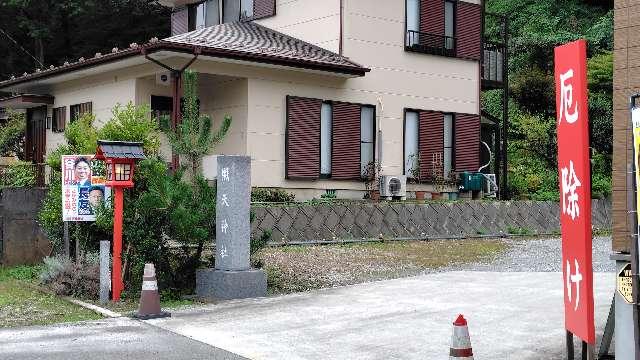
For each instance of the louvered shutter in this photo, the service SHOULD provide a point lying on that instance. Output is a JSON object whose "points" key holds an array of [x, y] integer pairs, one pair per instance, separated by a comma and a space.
{"points": [[263, 8], [302, 151], [467, 142], [86, 108], [432, 16], [345, 157], [59, 119], [469, 30], [180, 21], [430, 141]]}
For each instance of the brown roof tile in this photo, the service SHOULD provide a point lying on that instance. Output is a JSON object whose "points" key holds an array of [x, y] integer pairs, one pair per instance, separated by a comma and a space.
{"points": [[255, 39], [238, 40]]}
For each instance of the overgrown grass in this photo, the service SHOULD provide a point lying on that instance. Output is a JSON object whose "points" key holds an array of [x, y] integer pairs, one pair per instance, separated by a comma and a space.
{"points": [[300, 268], [21, 304]]}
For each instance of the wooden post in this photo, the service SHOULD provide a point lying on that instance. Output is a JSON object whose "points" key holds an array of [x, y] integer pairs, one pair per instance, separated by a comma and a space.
{"points": [[65, 236], [116, 274]]}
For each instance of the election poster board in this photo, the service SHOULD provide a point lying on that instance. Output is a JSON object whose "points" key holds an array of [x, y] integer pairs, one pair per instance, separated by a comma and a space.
{"points": [[575, 188], [83, 187]]}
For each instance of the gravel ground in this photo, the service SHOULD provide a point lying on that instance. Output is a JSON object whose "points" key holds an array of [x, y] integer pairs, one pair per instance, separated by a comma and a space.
{"points": [[541, 255]]}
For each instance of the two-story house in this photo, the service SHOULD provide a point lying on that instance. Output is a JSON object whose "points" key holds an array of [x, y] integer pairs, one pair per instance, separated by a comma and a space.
{"points": [[318, 90]]}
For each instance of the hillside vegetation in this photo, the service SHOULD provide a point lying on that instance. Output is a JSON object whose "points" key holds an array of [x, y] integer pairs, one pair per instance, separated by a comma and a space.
{"points": [[536, 27]]}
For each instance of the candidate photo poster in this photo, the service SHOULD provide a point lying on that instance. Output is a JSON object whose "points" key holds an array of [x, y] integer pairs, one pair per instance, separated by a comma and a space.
{"points": [[83, 187]]}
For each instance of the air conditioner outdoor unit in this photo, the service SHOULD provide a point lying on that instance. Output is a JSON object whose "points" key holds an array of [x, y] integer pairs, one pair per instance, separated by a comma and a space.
{"points": [[393, 186]]}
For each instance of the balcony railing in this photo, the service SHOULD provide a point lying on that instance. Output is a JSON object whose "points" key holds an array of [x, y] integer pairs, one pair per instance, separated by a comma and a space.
{"points": [[493, 62], [430, 43]]}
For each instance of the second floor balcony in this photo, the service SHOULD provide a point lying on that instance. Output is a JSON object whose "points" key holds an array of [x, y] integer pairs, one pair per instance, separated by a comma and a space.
{"points": [[434, 44]]}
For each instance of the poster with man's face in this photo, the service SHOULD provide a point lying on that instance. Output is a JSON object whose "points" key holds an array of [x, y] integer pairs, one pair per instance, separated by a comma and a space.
{"points": [[83, 187]]}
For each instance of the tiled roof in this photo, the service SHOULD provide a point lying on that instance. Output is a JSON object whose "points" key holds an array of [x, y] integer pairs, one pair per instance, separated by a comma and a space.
{"points": [[121, 149], [255, 39], [238, 40]]}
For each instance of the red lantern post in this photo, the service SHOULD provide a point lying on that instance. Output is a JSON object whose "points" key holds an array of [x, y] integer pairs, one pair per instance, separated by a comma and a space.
{"points": [[119, 157]]}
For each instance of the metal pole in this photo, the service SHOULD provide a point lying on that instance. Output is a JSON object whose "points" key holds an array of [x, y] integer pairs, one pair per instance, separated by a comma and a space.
{"points": [[65, 236], [116, 275], [634, 238], [570, 354], [505, 108]]}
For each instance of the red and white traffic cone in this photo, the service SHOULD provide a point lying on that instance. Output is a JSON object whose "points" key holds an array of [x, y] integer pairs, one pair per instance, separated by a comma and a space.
{"points": [[149, 297], [460, 340]]}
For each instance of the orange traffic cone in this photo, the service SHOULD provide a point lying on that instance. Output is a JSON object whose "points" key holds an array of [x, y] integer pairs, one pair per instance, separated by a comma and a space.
{"points": [[149, 297], [460, 341]]}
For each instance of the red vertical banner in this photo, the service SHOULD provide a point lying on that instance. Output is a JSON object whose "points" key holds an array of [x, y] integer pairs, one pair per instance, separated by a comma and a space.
{"points": [[575, 187]]}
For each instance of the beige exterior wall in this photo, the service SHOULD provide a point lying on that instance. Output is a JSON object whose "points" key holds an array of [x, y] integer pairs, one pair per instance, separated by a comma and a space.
{"points": [[102, 91], [373, 36], [317, 22]]}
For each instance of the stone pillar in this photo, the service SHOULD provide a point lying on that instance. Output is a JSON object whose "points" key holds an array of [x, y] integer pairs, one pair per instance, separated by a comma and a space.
{"points": [[232, 277], [105, 273]]}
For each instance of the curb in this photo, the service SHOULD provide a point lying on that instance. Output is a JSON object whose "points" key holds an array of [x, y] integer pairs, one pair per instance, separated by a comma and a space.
{"points": [[97, 309]]}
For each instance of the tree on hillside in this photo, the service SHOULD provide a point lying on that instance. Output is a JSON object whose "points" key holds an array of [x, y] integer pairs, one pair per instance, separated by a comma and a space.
{"points": [[535, 28], [65, 30]]}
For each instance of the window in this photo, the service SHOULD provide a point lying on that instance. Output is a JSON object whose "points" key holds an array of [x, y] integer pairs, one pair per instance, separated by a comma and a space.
{"points": [[161, 110], [59, 119], [246, 9], [449, 24], [326, 119], [447, 160], [231, 11], [212, 13], [367, 136], [413, 22], [197, 16], [411, 152], [76, 111]]}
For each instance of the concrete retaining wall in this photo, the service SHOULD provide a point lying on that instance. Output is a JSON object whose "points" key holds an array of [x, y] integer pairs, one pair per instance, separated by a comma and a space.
{"points": [[357, 220], [21, 239]]}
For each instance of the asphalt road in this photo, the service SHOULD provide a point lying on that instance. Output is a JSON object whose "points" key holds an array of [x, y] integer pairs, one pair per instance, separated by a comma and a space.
{"points": [[118, 338]]}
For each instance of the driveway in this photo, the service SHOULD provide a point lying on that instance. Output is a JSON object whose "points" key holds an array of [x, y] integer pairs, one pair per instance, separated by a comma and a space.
{"points": [[119, 338], [512, 315]]}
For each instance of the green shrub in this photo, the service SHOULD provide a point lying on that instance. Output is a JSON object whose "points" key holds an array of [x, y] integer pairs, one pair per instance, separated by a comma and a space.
{"points": [[52, 267], [77, 279], [12, 135], [271, 195], [18, 174]]}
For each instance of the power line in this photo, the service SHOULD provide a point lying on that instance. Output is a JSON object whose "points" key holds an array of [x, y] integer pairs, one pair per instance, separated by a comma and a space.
{"points": [[20, 46]]}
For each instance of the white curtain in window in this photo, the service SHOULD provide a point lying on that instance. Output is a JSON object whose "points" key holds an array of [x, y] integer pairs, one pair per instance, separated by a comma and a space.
{"points": [[448, 144], [325, 138], [449, 30], [367, 129], [410, 143], [413, 21], [200, 16], [246, 8], [212, 13], [231, 10]]}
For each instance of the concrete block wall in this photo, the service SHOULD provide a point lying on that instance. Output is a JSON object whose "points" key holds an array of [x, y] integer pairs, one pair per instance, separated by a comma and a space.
{"points": [[21, 239]]}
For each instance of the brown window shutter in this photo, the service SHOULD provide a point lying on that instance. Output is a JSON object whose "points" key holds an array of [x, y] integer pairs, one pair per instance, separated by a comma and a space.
{"points": [[86, 108], [467, 142], [263, 8], [345, 157], [432, 16], [430, 141], [59, 119], [302, 153], [180, 21], [469, 30]]}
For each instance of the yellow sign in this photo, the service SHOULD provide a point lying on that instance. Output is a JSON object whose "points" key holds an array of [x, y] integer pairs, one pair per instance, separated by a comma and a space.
{"points": [[625, 284]]}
